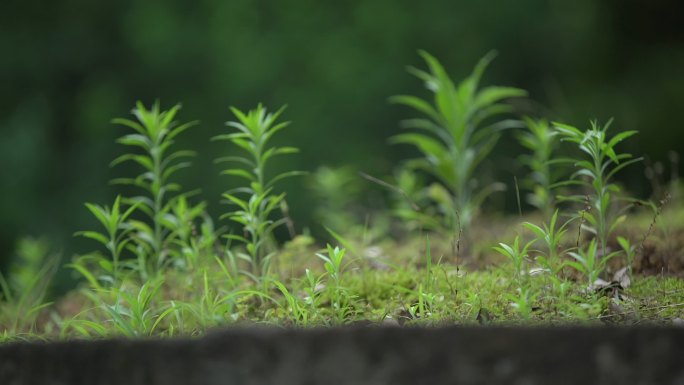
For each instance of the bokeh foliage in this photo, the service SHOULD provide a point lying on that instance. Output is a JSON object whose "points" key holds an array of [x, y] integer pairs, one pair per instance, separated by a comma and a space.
{"points": [[68, 67]]}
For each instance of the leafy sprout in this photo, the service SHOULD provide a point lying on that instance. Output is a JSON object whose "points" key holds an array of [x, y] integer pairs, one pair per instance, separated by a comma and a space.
{"points": [[154, 134], [596, 173], [23, 293], [459, 129], [541, 140], [256, 201], [114, 238]]}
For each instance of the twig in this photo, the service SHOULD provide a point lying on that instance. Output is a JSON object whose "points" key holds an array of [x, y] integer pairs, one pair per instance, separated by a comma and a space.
{"points": [[396, 189], [657, 213], [587, 207], [517, 195], [448, 281], [456, 242], [289, 223], [646, 309]]}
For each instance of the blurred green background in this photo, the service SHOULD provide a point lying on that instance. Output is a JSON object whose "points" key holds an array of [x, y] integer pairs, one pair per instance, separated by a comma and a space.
{"points": [[69, 66]]}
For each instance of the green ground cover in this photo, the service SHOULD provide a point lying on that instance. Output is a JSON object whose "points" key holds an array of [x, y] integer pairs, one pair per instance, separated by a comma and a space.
{"points": [[587, 253]]}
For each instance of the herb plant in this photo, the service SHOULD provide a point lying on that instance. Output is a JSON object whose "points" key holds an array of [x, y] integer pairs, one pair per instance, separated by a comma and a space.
{"points": [[518, 255], [23, 294], [338, 294], [154, 134], [164, 271], [256, 201], [541, 140], [588, 262], [630, 253], [551, 236], [596, 173], [114, 239], [459, 129]]}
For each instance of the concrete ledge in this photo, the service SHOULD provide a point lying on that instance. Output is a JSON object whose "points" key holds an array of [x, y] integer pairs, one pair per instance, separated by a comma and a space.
{"points": [[454, 355]]}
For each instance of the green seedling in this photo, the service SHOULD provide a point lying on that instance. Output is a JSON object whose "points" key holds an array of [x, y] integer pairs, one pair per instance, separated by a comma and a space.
{"points": [[213, 307], [23, 295], [541, 140], [312, 288], [549, 258], [518, 255], [459, 130], [255, 202], [298, 309], [130, 312], [162, 271], [191, 245], [589, 262], [136, 314], [630, 253], [595, 174], [522, 301], [551, 235], [154, 134], [332, 262], [115, 239]]}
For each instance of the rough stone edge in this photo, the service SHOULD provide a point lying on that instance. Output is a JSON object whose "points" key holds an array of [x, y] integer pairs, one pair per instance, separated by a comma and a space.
{"points": [[363, 355]]}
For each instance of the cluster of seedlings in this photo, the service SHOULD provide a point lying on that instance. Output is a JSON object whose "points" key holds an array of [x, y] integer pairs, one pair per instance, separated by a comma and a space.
{"points": [[164, 267]]}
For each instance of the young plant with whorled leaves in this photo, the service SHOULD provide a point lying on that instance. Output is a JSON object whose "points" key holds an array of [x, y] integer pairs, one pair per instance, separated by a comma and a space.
{"points": [[459, 129]]}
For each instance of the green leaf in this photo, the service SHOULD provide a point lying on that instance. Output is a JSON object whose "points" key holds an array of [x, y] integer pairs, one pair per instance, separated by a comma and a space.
{"points": [[417, 104], [85, 272], [236, 159], [172, 169], [167, 116], [620, 137], [621, 166], [541, 234], [624, 243], [177, 155], [270, 131], [275, 151], [491, 95], [180, 129], [241, 173], [93, 235], [100, 213], [239, 114], [430, 126], [142, 160], [285, 150], [284, 175], [136, 140], [247, 145], [480, 68], [430, 147], [131, 124], [239, 202], [569, 131], [482, 114]]}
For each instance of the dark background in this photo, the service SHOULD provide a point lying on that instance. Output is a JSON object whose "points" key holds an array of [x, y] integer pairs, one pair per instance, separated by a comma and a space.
{"points": [[68, 67]]}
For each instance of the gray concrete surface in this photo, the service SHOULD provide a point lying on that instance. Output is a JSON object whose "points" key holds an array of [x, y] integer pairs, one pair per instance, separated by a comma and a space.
{"points": [[370, 355]]}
